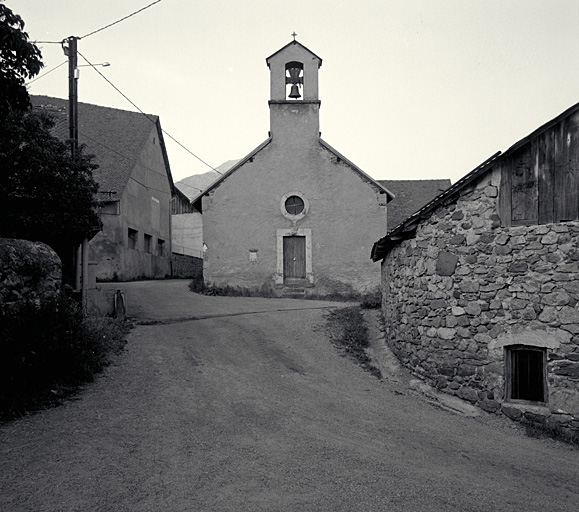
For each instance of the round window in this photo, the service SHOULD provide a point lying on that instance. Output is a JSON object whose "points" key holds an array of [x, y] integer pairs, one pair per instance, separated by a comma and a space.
{"points": [[294, 205]]}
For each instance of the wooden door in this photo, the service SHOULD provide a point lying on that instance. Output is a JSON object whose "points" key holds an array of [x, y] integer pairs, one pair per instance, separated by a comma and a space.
{"points": [[294, 257]]}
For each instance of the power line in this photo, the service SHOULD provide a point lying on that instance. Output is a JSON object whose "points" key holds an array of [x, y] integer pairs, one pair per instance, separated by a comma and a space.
{"points": [[148, 116], [44, 74], [118, 21], [130, 160], [102, 28]]}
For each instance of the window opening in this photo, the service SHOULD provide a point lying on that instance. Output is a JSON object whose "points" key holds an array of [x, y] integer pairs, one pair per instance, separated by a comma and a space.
{"points": [[526, 373], [160, 247], [133, 237], [294, 205], [148, 243], [294, 79]]}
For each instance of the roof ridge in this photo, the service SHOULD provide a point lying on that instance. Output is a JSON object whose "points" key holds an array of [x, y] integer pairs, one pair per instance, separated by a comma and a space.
{"points": [[93, 105]]}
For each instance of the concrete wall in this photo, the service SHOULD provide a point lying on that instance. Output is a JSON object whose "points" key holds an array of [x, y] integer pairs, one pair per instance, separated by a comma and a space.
{"points": [[465, 289], [187, 234], [145, 206], [246, 213]]}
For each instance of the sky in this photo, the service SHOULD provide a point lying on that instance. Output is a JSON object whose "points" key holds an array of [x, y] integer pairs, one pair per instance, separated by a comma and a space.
{"points": [[410, 89]]}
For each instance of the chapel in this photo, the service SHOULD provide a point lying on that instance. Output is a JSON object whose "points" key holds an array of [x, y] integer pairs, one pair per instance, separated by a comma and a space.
{"points": [[294, 216]]}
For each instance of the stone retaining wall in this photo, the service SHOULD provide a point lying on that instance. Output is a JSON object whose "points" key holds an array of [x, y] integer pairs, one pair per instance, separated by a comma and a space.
{"points": [[185, 266], [464, 288], [29, 272]]}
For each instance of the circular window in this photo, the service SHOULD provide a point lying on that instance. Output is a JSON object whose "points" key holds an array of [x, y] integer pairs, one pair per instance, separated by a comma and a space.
{"points": [[294, 205]]}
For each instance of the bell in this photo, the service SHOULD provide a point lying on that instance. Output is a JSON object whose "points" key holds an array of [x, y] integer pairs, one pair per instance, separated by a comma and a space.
{"points": [[295, 92]]}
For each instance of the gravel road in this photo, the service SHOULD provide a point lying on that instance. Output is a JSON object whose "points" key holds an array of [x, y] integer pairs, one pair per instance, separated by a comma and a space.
{"points": [[235, 404]]}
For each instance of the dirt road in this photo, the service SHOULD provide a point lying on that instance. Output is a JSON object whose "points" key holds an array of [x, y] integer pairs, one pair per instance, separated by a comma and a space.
{"points": [[250, 408]]}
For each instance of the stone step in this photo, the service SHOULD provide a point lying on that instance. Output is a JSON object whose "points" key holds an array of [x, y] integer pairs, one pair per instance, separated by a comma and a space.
{"points": [[294, 293]]}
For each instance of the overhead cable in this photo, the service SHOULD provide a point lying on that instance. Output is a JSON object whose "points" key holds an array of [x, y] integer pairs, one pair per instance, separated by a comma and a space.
{"points": [[44, 74], [148, 116], [118, 21]]}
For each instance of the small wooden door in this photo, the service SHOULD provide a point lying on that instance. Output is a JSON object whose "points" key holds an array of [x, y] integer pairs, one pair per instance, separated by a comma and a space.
{"points": [[294, 257]]}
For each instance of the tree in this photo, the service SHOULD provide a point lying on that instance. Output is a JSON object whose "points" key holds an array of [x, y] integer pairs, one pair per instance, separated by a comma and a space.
{"points": [[19, 59], [45, 194]]}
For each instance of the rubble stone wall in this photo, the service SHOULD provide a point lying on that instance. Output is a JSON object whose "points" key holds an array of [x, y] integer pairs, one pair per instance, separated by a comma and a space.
{"points": [[465, 288], [29, 271]]}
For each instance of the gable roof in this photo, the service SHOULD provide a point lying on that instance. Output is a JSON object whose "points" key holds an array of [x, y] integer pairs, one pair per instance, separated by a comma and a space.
{"points": [[116, 138], [376, 184], [411, 195], [408, 227], [196, 201], [290, 44]]}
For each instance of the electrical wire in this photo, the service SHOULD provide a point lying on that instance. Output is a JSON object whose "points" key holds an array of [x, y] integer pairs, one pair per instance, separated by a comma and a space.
{"points": [[102, 28], [132, 161], [44, 74], [148, 116], [118, 21]]}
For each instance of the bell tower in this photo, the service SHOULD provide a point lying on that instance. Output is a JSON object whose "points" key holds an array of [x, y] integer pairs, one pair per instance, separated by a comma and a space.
{"points": [[294, 104]]}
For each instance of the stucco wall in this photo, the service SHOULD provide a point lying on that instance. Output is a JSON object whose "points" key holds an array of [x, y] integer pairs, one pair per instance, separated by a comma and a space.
{"points": [[245, 213], [465, 288], [145, 206], [187, 234]]}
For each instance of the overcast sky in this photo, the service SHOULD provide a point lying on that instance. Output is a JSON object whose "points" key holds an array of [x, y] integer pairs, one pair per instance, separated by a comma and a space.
{"points": [[410, 89]]}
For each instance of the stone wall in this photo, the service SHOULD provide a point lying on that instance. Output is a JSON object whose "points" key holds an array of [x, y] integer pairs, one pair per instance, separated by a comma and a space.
{"points": [[464, 288], [187, 267], [29, 271]]}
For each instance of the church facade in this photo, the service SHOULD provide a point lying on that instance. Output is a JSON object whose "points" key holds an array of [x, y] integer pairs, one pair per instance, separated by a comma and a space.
{"points": [[293, 216]]}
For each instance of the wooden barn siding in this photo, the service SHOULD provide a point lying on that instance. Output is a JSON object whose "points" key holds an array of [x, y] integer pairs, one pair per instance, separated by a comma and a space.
{"points": [[180, 205], [540, 179]]}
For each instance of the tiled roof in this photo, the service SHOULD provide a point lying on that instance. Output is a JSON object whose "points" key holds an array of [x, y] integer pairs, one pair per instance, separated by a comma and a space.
{"points": [[116, 137], [410, 196]]}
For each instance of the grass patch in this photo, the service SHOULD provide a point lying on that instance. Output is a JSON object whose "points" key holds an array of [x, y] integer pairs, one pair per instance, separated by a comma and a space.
{"points": [[348, 332], [547, 431], [47, 351], [370, 300], [232, 291]]}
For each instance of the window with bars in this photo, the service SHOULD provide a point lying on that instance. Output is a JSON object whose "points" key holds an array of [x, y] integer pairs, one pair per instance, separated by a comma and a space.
{"points": [[526, 373]]}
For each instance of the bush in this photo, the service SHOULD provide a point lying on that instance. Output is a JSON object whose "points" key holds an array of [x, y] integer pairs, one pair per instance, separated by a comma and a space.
{"points": [[372, 300], [48, 350]]}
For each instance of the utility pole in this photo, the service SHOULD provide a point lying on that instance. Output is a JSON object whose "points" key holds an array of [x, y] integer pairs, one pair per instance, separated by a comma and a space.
{"points": [[70, 50]]}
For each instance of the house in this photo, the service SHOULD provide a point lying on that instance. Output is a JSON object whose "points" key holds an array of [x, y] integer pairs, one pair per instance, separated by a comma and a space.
{"points": [[410, 196], [294, 216], [135, 188], [481, 285]]}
